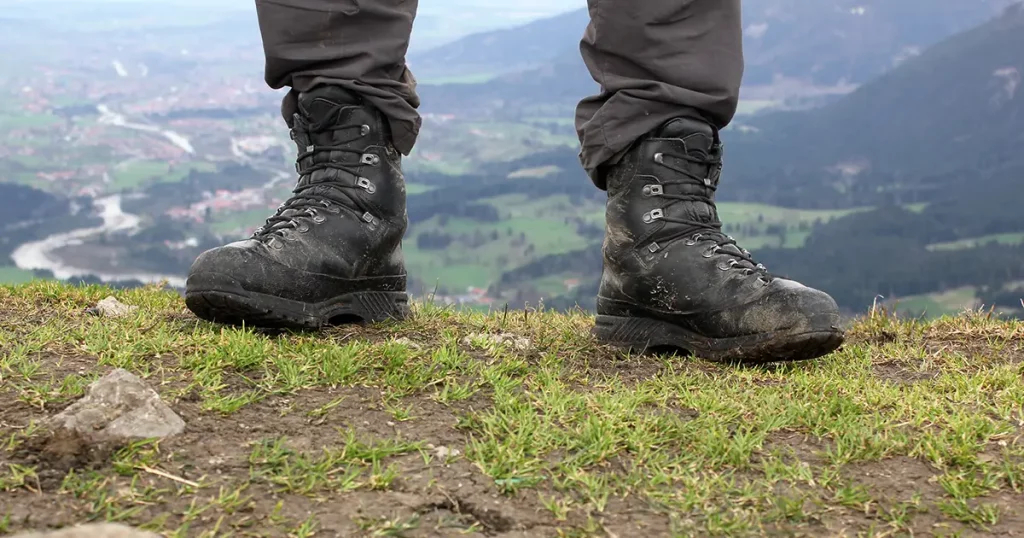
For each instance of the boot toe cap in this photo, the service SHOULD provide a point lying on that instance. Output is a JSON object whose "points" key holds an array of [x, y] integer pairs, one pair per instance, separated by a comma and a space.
{"points": [[795, 308], [237, 266]]}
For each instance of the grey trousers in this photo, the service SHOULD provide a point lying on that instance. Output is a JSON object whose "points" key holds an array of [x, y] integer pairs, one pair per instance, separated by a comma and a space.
{"points": [[653, 59]]}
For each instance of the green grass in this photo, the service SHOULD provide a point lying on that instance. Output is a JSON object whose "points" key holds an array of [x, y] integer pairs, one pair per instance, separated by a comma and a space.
{"points": [[455, 422], [13, 275], [1012, 239]]}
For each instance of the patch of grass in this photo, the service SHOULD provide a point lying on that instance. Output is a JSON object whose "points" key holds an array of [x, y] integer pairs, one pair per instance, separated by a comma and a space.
{"points": [[458, 421]]}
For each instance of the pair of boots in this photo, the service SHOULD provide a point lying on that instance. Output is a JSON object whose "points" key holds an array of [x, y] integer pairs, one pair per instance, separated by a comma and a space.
{"points": [[332, 253]]}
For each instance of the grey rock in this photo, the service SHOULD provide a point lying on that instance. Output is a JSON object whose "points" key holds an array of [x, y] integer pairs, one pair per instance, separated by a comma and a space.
{"points": [[95, 530], [111, 308], [120, 406], [513, 341]]}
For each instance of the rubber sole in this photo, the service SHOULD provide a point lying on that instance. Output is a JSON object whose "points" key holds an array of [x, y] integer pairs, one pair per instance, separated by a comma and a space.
{"points": [[643, 335], [236, 306]]}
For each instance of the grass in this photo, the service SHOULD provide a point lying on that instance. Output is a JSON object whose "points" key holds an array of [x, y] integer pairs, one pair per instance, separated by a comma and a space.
{"points": [[433, 427]]}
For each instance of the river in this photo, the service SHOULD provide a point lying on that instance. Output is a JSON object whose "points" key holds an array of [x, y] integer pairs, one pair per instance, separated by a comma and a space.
{"points": [[109, 117], [42, 254]]}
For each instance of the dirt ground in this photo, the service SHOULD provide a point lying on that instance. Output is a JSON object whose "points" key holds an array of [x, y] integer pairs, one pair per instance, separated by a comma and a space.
{"points": [[907, 431]]}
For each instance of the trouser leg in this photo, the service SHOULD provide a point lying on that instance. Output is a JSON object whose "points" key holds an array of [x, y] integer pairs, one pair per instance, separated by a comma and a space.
{"points": [[359, 46], [656, 60]]}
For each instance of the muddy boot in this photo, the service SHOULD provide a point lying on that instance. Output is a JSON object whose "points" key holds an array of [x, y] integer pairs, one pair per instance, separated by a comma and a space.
{"points": [[331, 253], [672, 279]]}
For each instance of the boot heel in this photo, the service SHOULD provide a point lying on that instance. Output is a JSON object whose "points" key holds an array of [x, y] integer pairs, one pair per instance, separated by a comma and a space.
{"points": [[633, 333], [377, 306]]}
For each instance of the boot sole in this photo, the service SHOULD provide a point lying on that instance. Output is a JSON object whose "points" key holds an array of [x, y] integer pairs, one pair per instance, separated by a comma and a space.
{"points": [[222, 300], [643, 335]]}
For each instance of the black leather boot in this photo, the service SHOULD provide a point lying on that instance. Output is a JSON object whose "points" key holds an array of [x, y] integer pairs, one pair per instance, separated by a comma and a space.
{"points": [[330, 254], [672, 279]]}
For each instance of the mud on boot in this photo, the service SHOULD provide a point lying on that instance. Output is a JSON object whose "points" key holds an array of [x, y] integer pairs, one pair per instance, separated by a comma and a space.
{"points": [[672, 279], [332, 252]]}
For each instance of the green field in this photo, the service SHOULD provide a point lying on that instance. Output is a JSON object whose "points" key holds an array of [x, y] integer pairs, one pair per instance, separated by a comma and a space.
{"points": [[132, 175], [13, 275], [461, 265], [1011, 239], [235, 223], [935, 305]]}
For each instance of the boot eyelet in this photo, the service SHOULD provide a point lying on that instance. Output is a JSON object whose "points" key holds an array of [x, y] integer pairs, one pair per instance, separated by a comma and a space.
{"points": [[762, 281], [291, 134], [302, 229], [366, 185], [368, 218], [653, 190], [369, 159], [659, 158], [298, 168], [364, 130], [310, 148], [724, 266], [711, 251], [319, 219], [653, 215], [653, 247], [275, 244]]}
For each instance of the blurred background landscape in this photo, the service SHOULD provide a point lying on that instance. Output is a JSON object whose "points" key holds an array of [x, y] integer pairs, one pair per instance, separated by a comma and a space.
{"points": [[878, 154]]}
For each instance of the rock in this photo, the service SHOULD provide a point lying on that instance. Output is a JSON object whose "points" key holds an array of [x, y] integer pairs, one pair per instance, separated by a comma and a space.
{"points": [[443, 452], [120, 407], [94, 530], [504, 339], [408, 343], [111, 308]]}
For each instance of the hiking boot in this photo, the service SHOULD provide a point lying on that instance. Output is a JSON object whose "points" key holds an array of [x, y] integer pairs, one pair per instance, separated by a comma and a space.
{"points": [[672, 279], [332, 252]]}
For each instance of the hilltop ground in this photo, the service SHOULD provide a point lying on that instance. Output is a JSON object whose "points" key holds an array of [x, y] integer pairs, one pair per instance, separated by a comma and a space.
{"points": [[428, 428]]}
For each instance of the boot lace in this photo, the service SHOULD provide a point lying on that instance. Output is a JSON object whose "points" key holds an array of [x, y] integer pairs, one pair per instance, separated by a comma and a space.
{"points": [[309, 198], [696, 231]]}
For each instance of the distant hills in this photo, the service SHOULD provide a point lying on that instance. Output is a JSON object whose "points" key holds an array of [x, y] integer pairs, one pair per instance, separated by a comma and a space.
{"points": [[928, 154], [795, 42], [938, 122]]}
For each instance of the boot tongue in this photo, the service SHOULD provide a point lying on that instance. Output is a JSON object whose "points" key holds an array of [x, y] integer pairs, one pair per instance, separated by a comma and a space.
{"points": [[315, 107], [318, 102], [697, 140]]}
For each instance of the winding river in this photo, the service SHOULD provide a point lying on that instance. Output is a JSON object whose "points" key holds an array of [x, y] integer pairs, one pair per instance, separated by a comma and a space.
{"points": [[42, 254]]}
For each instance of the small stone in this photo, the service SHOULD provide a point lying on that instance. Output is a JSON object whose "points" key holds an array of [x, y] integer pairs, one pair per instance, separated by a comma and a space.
{"points": [[95, 530], [408, 343], [443, 452], [120, 406], [504, 339], [111, 308]]}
